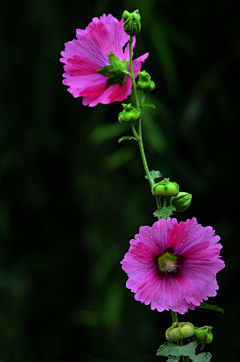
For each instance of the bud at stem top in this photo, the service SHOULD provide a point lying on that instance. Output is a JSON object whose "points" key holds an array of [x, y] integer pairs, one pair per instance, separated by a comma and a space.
{"points": [[132, 22]]}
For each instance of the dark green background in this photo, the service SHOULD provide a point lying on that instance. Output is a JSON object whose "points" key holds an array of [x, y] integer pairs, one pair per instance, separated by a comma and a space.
{"points": [[71, 198]]}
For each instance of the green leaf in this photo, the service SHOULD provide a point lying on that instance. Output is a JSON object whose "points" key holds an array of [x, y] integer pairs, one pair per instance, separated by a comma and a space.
{"points": [[173, 359], [202, 357], [164, 212], [211, 307], [173, 350], [149, 105], [154, 174], [126, 138]]}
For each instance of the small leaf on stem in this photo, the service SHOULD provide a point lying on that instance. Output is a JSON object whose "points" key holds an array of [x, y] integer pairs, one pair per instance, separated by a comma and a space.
{"points": [[149, 105], [126, 138], [154, 175], [164, 212]]}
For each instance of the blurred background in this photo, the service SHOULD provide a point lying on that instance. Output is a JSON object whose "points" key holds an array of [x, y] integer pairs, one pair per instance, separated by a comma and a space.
{"points": [[71, 197]]}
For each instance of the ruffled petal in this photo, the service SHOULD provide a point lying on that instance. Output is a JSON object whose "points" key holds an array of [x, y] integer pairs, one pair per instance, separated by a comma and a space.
{"points": [[89, 52], [194, 279]]}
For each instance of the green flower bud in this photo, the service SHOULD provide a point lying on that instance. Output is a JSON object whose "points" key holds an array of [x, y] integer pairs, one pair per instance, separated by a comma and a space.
{"points": [[165, 188], [182, 201], [144, 82], [129, 114], [132, 22], [203, 334], [179, 330]]}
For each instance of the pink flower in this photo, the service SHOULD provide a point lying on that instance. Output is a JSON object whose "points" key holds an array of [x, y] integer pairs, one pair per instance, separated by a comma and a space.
{"points": [[82, 57], [173, 266]]}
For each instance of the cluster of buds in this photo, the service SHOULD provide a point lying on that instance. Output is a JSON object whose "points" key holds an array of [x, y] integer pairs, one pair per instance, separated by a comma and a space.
{"points": [[180, 200], [181, 330]]}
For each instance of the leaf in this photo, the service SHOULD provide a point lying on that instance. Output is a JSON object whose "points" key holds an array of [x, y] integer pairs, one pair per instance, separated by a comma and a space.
{"points": [[173, 350], [164, 212], [149, 105], [154, 174], [126, 138], [211, 307], [202, 357], [173, 359]]}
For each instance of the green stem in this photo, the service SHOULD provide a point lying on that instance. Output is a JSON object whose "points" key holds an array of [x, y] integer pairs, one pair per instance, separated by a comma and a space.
{"points": [[140, 142], [134, 132], [143, 98], [164, 201], [174, 316], [132, 73]]}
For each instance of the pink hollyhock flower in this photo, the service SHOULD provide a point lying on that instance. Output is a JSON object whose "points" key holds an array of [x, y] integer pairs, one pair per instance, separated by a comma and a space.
{"points": [[82, 58], [173, 266]]}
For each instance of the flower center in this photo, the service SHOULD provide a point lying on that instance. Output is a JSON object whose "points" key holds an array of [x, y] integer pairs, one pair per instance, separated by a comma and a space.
{"points": [[167, 262]]}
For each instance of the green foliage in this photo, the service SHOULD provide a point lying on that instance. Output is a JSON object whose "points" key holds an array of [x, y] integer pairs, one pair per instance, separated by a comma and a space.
{"points": [[188, 350], [164, 212], [154, 175], [173, 359], [211, 307], [149, 105], [125, 138]]}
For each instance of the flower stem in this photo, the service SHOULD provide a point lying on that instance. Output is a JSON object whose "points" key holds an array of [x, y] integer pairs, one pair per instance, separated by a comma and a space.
{"points": [[174, 316], [140, 142], [132, 73]]}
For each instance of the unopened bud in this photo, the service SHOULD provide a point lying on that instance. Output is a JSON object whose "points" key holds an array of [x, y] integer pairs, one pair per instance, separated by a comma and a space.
{"points": [[203, 334], [165, 188], [129, 114], [144, 82], [179, 330], [132, 22], [182, 201]]}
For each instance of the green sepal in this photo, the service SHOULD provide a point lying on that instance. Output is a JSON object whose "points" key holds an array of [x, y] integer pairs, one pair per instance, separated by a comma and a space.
{"points": [[189, 350], [149, 105], [126, 138], [164, 212], [116, 71], [204, 305], [154, 175]]}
